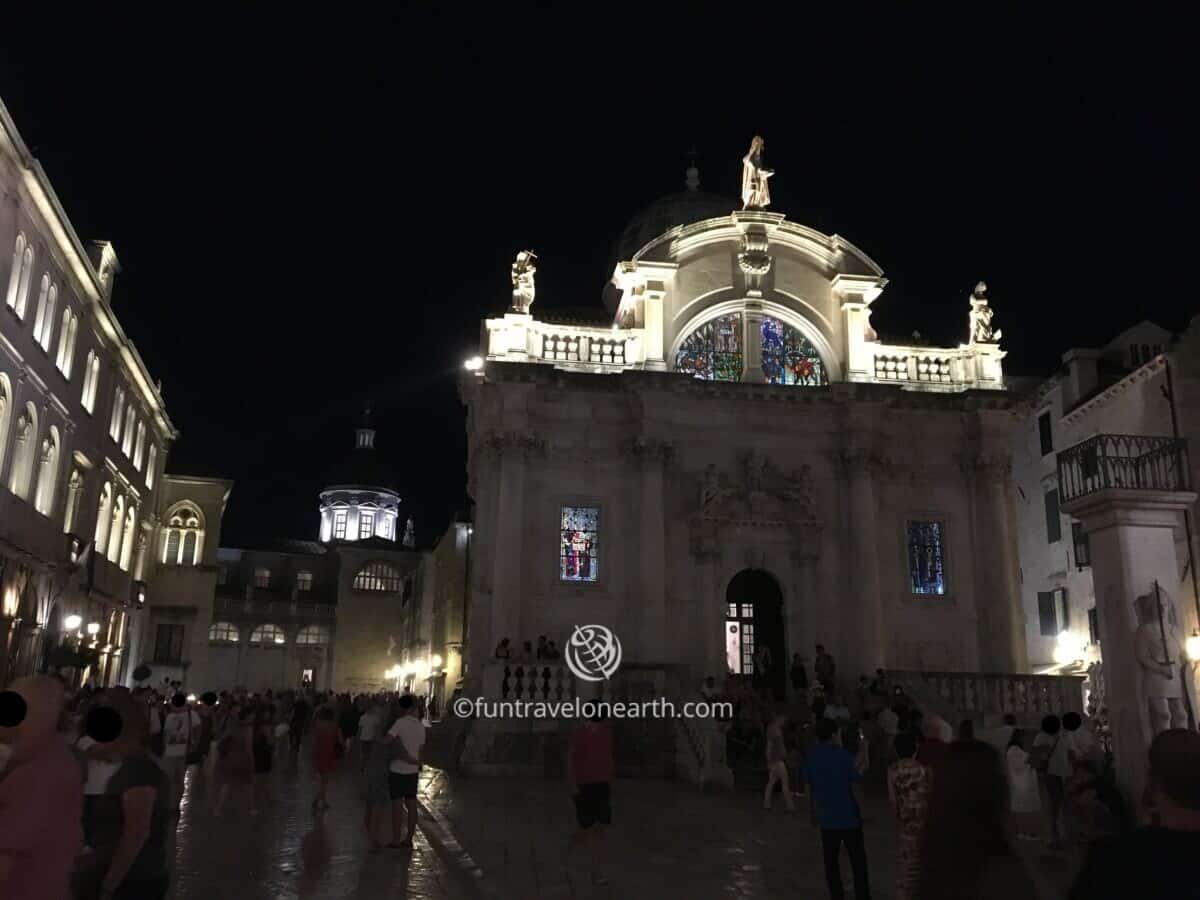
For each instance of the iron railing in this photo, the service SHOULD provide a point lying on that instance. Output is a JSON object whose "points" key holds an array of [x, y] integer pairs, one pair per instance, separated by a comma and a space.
{"points": [[1123, 461]]}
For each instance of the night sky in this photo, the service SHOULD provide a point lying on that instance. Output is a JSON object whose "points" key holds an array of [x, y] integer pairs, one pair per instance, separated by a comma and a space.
{"points": [[315, 212]]}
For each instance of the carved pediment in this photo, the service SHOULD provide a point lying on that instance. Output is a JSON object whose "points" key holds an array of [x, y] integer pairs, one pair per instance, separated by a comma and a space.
{"points": [[759, 492]]}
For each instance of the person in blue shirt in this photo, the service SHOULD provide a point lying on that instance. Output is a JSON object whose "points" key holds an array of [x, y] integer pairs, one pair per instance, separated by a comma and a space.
{"points": [[831, 773]]}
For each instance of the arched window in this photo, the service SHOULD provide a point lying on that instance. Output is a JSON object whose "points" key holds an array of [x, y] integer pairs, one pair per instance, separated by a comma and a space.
{"points": [[116, 531], [128, 538], [713, 352], [43, 322], [118, 410], [14, 273], [788, 357], [91, 380], [267, 634], [377, 576], [171, 551], [24, 452], [74, 492], [66, 343], [20, 276], [183, 539], [313, 634], [6, 404], [127, 441], [151, 462], [225, 632], [47, 479], [103, 518], [139, 446], [188, 558]]}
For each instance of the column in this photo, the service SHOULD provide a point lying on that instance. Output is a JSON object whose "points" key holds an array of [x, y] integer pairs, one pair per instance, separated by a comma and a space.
{"points": [[508, 525], [753, 319], [866, 611], [652, 457], [653, 338], [1132, 535], [1010, 613]]}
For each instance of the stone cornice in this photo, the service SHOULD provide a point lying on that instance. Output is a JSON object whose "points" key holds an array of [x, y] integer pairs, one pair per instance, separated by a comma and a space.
{"points": [[1111, 393]]}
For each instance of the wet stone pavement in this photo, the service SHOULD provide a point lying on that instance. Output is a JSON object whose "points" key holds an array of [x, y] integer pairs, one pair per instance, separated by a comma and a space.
{"points": [[505, 838]]}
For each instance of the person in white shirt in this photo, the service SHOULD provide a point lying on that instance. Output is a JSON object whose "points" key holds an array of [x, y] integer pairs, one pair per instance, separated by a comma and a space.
{"points": [[1022, 788], [98, 772], [403, 772], [368, 727], [180, 728]]}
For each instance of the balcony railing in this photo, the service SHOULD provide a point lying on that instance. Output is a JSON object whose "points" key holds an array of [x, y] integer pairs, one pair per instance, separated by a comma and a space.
{"points": [[279, 609], [1123, 461]]}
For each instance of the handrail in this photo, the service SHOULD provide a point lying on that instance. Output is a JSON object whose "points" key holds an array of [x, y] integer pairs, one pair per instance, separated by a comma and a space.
{"points": [[1123, 461]]}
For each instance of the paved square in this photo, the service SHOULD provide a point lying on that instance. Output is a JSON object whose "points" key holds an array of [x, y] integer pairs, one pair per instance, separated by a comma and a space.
{"points": [[505, 838]]}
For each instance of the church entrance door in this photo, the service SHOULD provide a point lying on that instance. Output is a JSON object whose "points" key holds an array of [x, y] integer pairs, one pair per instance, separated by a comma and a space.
{"points": [[754, 631]]}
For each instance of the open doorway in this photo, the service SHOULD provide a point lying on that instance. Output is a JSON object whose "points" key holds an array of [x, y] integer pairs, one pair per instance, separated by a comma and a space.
{"points": [[754, 646]]}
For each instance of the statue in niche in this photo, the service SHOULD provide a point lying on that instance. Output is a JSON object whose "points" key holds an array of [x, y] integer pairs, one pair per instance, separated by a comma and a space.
{"points": [[755, 194], [1158, 648], [981, 318], [523, 271]]}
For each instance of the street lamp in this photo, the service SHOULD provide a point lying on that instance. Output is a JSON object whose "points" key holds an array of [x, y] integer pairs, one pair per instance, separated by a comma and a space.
{"points": [[435, 662], [474, 364], [72, 622], [93, 628]]}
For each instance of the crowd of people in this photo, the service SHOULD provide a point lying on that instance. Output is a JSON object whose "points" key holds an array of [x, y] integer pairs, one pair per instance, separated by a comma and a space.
{"points": [[973, 807], [92, 780]]}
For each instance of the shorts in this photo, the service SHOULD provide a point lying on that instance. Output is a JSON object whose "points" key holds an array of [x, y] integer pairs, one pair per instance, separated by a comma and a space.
{"points": [[593, 804], [402, 784]]}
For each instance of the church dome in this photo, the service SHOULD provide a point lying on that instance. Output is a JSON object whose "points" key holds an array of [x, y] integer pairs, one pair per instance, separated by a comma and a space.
{"points": [[361, 500], [681, 208]]}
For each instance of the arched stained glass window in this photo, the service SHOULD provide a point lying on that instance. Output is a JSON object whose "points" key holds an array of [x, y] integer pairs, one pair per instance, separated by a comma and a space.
{"points": [[713, 352], [788, 357]]}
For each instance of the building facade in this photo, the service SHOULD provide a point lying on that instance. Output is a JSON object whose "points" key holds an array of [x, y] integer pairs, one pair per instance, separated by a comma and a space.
{"points": [[1143, 389], [84, 436], [344, 613], [729, 456]]}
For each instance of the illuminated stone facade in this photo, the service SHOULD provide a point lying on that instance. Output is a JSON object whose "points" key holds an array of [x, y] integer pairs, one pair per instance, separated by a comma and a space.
{"points": [[733, 409], [84, 436]]}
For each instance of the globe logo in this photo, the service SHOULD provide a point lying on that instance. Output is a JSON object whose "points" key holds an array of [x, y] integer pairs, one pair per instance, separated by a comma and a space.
{"points": [[593, 653]]}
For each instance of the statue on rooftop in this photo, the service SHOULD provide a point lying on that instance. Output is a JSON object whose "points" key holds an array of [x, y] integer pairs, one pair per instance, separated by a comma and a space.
{"points": [[981, 318], [755, 194], [523, 271]]}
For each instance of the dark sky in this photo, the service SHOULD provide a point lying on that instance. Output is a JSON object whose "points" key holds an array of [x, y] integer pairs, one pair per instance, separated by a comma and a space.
{"points": [[315, 211]]}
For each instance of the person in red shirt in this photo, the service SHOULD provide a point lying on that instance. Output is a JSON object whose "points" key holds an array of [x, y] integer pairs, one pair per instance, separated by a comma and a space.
{"points": [[590, 775], [41, 794]]}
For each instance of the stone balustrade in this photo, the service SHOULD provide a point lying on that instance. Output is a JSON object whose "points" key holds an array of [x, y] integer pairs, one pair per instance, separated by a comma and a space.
{"points": [[969, 695], [592, 348]]}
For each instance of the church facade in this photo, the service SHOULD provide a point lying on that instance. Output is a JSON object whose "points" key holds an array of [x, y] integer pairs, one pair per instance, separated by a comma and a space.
{"points": [[730, 457]]}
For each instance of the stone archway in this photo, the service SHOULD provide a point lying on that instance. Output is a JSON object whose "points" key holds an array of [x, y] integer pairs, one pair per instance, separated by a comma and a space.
{"points": [[754, 621]]}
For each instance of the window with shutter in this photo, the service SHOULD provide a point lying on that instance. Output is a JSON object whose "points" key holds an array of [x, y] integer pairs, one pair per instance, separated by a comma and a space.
{"points": [[1047, 615]]}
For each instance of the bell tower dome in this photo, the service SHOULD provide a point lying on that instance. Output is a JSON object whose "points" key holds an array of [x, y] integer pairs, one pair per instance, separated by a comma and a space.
{"points": [[361, 503]]}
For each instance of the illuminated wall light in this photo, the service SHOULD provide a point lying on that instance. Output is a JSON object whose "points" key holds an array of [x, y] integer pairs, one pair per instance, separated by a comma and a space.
{"points": [[1068, 648], [474, 364], [93, 628], [1192, 647], [71, 623]]}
